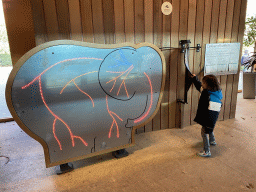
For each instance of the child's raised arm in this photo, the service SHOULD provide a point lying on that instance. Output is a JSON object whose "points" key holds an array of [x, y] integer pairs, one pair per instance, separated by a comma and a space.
{"points": [[197, 83]]}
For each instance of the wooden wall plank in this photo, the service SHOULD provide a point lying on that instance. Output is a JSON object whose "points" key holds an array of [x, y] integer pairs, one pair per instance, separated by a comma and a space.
{"points": [[109, 21], [215, 21], [86, 12], [139, 21], [19, 26], [97, 20], [208, 4], [119, 21], [191, 37], [234, 39], [174, 61], [166, 43], [197, 57], [180, 109], [183, 20], [222, 21], [158, 37], [205, 40], [149, 16], [229, 21], [75, 20], [228, 35], [129, 20], [207, 28], [139, 31], [158, 23], [51, 20], [39, 22], [149, 31], [240, 39], [63, 18], [221, 36]]}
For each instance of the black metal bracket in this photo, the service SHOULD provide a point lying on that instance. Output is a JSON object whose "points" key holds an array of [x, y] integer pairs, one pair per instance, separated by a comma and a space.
{"points": [[183, 44], [182, 101], [184, 48], [65, 168], [120, 153], [198, 47], [188, 75]]}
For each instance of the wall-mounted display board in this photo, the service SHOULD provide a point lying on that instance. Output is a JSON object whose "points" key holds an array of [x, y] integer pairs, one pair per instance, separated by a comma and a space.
{"points": [[81, 99], [222, 58]]}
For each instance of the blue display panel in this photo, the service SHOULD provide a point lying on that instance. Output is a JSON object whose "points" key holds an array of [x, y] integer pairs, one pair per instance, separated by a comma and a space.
{"points": [[77, 98]]}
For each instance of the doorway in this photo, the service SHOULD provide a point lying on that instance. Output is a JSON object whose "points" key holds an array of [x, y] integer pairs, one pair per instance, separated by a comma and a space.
{"points": [[248, 49], [5, 67]]}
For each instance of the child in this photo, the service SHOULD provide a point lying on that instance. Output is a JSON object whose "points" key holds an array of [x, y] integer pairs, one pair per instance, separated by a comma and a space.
{"points": [[208, 109]]}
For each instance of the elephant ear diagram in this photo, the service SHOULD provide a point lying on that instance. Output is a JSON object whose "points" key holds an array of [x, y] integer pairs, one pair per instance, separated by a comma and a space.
{"points": [[80, 99]]}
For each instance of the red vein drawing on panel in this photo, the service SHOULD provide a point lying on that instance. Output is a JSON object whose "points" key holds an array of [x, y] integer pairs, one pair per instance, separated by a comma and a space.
{"points": [[48, 108], [73, 80], [151, 101], [58, 118], [123, 81], [24, 87], [111, 113]]}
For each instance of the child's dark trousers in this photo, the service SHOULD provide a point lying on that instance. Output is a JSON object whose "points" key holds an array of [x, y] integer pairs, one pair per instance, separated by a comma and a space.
{"points": [[204, 132]]}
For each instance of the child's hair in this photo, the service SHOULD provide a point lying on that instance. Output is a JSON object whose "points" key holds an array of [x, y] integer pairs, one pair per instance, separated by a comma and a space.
{"points": [[211, 82]]}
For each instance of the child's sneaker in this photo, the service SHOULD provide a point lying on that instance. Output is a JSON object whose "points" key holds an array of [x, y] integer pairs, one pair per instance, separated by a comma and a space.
{"points": [[204, 154], [213, 143]]}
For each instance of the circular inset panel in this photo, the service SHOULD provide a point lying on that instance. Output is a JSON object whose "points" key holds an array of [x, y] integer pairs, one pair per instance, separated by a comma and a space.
{"points": [[166, 8]]}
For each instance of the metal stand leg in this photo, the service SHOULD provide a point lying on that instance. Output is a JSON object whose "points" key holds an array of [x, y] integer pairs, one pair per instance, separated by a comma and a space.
{"points": [[64, 168], [120, 153]]}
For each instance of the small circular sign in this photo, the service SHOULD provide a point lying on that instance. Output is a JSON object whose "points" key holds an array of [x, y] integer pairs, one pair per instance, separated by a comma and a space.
{"points": [[166, 8]]}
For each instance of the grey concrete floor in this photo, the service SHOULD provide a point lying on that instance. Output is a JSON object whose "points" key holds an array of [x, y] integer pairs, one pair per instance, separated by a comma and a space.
{"points": [[163, 160]]}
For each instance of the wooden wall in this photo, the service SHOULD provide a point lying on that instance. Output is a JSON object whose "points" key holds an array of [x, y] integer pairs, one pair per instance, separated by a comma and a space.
{"points": [[19, 26], [136, 21]]}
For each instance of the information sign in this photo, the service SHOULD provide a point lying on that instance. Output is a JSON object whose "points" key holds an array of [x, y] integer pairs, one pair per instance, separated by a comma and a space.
{"points": [[222, 58]]}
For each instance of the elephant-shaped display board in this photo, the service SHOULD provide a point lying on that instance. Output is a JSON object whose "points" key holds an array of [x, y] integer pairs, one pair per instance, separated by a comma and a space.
{"points": [[81, 99]]}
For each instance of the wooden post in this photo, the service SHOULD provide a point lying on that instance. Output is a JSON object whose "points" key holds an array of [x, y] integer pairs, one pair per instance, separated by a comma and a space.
{"points": [[180, 93], [20, 28]]}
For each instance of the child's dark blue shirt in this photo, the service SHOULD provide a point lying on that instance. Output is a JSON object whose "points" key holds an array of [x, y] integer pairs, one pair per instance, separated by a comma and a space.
{"points": [[208, 107]]}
